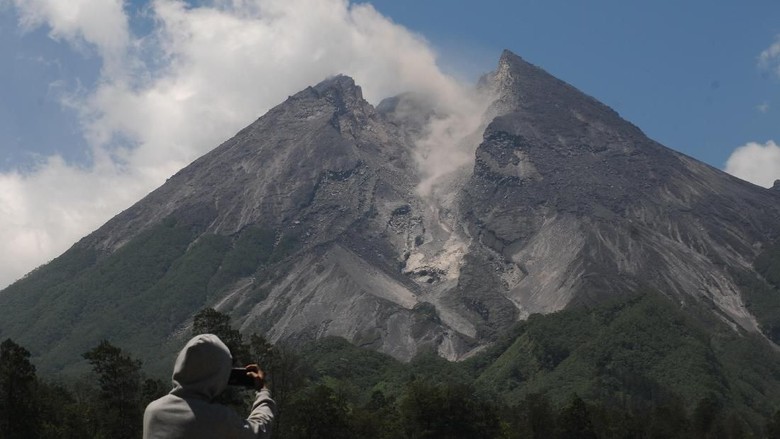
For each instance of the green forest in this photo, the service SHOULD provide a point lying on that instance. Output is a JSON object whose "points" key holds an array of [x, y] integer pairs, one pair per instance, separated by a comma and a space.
{"points": [[639, 368]]}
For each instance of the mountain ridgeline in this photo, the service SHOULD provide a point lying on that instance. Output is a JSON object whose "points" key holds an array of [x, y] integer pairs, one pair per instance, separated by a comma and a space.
{"points": [[309, 223]]}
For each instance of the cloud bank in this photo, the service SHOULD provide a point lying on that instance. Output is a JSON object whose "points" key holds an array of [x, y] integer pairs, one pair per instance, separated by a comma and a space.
{"points": [[166, 97], [756, 163]]}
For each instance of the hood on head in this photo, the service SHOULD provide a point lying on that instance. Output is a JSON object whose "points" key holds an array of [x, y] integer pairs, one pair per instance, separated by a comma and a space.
{"points": [[202, 368]]}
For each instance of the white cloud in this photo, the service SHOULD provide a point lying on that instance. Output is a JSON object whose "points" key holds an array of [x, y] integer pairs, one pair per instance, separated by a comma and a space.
{"points": [[756, 163], [101, 23], [203, 73], [770, 58]]}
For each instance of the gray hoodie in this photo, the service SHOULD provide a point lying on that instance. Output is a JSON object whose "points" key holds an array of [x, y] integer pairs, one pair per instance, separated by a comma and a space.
{"points": [[200, 374]]}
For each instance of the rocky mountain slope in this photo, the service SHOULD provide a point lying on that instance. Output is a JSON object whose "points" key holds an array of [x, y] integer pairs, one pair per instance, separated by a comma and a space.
{"points": [[310, 222], [585, 206]]}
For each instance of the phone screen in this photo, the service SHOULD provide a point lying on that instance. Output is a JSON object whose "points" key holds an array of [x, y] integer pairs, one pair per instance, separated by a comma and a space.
{"points": [[239, 377]]}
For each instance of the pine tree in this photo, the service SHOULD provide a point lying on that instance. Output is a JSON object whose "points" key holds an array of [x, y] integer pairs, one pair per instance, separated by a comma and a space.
{"points": [[119, 379], [211, 321], [575, 422], [319, 413], [18, 411]]}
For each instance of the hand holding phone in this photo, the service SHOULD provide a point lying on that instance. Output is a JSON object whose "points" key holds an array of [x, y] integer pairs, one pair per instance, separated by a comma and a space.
{"points": [[250, 377]]}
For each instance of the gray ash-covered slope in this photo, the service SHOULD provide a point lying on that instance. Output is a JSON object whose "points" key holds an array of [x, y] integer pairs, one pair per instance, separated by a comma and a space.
{"points": [[315, 158], [308, 223], [581, 205], [297, 226]]}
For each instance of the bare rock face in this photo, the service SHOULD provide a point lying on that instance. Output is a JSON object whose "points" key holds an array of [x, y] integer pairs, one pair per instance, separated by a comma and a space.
{"points": [[323, 149], [567, 204], [337, 176], [585, 206]]}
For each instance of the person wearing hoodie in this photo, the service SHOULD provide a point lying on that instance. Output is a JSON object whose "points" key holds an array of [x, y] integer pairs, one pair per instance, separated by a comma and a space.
{"points": [[200, 374]]}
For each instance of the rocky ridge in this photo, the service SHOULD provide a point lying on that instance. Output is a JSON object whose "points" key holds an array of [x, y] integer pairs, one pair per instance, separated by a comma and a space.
{"points": [[562, 181]]}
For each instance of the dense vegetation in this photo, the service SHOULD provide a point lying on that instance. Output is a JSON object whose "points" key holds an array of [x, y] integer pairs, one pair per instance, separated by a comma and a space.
{"points": [[761, 291], [636, 368], [150, 286]]}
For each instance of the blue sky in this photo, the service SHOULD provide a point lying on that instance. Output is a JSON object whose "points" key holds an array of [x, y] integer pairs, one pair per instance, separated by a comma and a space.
{"points": [[101, 100], [686, 72]]}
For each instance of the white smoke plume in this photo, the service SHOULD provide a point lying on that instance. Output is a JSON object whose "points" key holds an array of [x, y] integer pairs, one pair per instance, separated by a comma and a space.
{"points": [[204, 71], [449, 143]]}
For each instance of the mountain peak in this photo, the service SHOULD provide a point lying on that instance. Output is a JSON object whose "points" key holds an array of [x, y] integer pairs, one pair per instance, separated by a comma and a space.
{"points": [[513, 70], [521, 84], [510, 58], [341, 91], [340, 83]]}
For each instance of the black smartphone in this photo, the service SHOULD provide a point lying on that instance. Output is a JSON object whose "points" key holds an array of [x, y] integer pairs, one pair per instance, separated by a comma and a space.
{"points": [[238, 377]]}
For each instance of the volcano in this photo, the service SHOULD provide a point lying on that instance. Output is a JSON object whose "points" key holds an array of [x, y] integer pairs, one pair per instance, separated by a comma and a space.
{"points": [[311, 222]]}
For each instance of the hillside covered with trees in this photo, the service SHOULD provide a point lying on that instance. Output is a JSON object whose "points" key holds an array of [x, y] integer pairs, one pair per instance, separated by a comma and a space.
{"points": [[637, 368]]}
